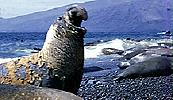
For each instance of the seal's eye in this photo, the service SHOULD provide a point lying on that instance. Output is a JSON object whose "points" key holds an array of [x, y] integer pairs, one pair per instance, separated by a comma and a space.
{"points": [[73, 13]]}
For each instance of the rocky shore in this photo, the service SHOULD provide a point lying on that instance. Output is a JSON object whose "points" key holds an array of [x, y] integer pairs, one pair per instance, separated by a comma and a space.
{"points": [[105, 88], [140, 62]]}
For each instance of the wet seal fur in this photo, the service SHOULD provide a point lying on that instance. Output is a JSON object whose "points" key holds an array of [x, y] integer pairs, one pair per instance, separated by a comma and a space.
{"points": [[60, 62], [156, 66]]}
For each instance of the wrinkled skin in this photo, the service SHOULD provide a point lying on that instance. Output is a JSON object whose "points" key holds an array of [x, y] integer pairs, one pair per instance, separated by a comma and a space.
{"points": [[60, 62]]}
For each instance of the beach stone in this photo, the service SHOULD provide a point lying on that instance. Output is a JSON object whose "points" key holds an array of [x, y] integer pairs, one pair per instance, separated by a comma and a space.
{"points": [[156, 66], [128, 56], [92, 69], [94, 43], [38, 49], [128, 38], [165, 44], [109, 51], [123, 64], [17, 92], [159, 51], [60, 62], [92, 81]]}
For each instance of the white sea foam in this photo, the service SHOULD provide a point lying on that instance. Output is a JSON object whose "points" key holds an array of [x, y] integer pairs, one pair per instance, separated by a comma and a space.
{"points": [[25, 51], [18, 51], [96, 51], [4, 60]]}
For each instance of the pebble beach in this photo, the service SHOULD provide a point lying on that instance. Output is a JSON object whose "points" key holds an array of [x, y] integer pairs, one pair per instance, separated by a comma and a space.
{"points": [[101, 85], [106, 88]]}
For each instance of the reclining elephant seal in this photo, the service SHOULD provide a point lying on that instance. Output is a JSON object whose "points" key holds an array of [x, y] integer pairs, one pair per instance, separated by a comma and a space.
{"points": [[60, 62], [19, 92], [156, 66]]}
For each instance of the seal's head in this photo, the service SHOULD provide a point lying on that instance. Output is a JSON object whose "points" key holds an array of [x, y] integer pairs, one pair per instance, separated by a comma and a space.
{"points": [[75, 14], [67, 25]]}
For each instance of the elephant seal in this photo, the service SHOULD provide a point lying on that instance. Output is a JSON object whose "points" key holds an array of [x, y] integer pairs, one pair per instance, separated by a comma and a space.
{"points": [[18, 92], [59, 64], [155, 66]]}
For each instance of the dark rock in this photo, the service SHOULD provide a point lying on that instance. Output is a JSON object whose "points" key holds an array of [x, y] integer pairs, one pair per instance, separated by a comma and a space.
{"points": [[123, 65], [165, 55], [38, 49], [159, 51], [132, 54], [92, 81], [138, 40], [90, 44], [165, 44], [17, 92], [127, 38], [94, 43], [156, 66], [168, 33], [109, 51], [92, 69], [155, 47]]}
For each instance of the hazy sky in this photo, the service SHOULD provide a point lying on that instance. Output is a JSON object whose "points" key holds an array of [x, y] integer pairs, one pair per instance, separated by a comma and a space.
{"points": [[12, 8]]}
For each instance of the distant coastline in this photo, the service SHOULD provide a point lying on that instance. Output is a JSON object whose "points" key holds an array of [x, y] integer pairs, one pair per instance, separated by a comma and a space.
{"points": [[113, 16]]}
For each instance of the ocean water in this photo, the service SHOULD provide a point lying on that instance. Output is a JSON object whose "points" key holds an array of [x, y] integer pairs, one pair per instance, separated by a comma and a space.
{"points": [[13, 45]]}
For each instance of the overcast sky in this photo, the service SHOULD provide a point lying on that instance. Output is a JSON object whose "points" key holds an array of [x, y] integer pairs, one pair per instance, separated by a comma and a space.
{"points": [[13, 8]]}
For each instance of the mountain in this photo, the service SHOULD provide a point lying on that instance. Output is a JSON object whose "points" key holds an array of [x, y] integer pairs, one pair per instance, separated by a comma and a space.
{"points": [[104, 16]]}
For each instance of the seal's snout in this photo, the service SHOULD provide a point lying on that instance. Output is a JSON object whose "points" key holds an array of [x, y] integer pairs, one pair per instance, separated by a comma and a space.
{"points": [[84, 14]]}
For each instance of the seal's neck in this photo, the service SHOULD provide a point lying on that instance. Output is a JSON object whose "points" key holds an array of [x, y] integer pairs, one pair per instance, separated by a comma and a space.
{"points": [[59, 38], [49, 43], [73, 21], [50, 36]]}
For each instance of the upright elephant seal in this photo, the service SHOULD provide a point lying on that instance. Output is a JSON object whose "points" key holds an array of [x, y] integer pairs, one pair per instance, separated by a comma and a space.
{"points": [[60, 62], [156, 66]]}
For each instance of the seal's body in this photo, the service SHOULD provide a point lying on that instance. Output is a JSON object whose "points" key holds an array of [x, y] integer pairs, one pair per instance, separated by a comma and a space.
{"points": [[156, 66], [60, 62]]}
